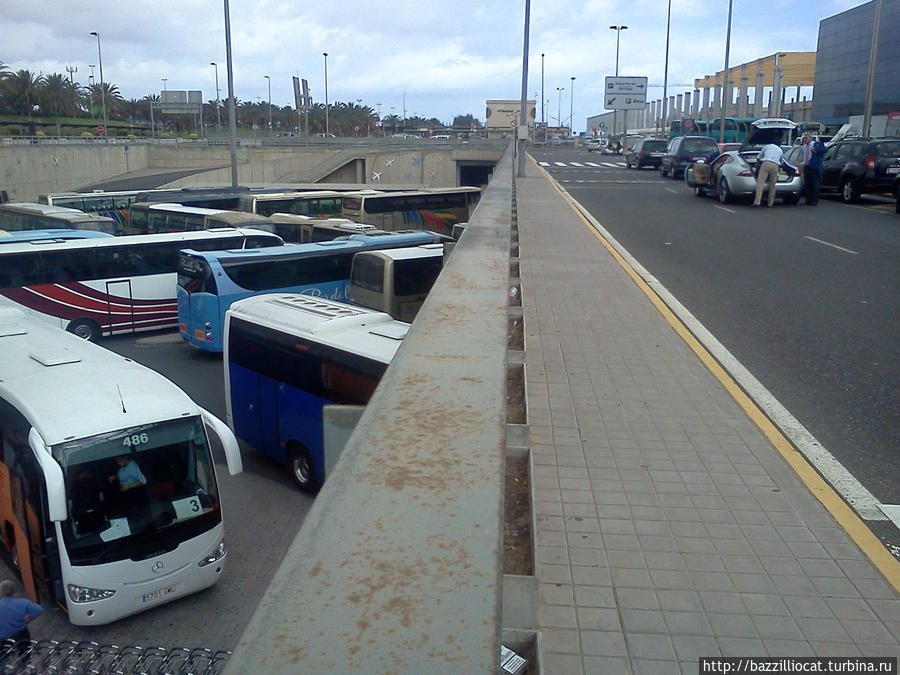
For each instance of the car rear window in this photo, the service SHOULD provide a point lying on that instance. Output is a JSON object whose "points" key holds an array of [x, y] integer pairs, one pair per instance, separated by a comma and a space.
{"points": [[888, 148], [654, 146], [699, 145]]}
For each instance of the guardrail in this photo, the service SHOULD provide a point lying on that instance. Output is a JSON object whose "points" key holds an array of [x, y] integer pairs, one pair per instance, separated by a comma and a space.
{"points": [[398, 565]]}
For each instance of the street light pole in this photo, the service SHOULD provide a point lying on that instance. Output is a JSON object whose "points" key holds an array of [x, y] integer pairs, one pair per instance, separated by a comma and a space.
{"points": [[164, 80], [543, 118], [232, 119], [102, 87], [618, 30], [666, 71], [559, 91], [91, 81], [218, 113], [571, 103], [325, 54], [269, 80], [726, 93]]}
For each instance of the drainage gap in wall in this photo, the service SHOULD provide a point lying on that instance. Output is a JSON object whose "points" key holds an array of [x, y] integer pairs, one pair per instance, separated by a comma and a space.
{"points": [[516, 335], [517, 548]]}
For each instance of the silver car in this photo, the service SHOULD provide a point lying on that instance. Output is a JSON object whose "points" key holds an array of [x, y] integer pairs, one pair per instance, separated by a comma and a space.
{"points": [[731, 174]]}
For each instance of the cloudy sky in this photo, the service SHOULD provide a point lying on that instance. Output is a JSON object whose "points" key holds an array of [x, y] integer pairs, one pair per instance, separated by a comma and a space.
{"points": [[434, 59]]}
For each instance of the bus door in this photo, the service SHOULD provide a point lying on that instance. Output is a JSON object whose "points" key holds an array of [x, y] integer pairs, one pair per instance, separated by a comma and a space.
{"points": [[257, 417], [119, 307]]}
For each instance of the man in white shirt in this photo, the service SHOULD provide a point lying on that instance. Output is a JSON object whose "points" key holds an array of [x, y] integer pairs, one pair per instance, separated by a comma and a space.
{"points": [[769, 160]]}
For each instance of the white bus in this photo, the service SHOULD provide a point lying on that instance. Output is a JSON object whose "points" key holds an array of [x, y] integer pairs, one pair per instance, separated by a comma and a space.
{"points": [[157, 217], [436, 209], [320, 203], [296, 229], [110, 500], [288, 355], [395, 281], [94, 287], [15, 216]]}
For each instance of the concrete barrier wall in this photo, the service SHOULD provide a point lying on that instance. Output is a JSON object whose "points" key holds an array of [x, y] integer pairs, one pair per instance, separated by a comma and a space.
{"points": [[397, 568], [28, 170]]}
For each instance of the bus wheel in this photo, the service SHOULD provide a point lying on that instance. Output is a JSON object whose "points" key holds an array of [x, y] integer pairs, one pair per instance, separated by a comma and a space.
{"points": [[85, 329], [301, 467]]}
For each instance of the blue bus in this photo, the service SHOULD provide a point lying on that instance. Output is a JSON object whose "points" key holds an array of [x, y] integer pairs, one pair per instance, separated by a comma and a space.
{"points": [[286, 357], [209, 281]]}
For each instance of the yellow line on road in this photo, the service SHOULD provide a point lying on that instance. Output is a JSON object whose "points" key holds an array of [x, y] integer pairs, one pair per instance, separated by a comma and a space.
{"points": [[846, 517]]}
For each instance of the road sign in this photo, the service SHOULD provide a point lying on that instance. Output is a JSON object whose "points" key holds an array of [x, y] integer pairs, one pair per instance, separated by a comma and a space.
{"points": [[626, 85], [625, 93], [625, 101]]}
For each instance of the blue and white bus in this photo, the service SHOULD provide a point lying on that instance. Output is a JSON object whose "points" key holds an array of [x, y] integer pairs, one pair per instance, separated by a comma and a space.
{"points": [[289, 355], [208, 282], [50, 235]]}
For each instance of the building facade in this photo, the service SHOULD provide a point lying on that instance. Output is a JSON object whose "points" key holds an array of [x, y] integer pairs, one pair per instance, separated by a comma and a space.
{"points": [[842, 63]]}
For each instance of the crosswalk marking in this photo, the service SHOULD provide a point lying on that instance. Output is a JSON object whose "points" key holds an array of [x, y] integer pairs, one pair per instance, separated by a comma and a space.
{"points": [[560, 163], [583, 165], [614, 166], [576, 163], [592, 164], [544, 163]]}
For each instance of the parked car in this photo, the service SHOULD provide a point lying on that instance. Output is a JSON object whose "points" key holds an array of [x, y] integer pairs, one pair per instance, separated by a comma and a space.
{"points": [[856, 166], [593, 144], [683, 150], [731, 175], [728, 147], [646, 152]]}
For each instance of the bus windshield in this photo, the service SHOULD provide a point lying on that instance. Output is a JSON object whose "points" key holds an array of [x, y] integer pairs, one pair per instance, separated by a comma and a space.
{"points": [[137, 492]]}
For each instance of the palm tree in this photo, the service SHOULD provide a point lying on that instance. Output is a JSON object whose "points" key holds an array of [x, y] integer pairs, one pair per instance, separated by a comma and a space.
{"points": [[21, 91], [59, 94]]}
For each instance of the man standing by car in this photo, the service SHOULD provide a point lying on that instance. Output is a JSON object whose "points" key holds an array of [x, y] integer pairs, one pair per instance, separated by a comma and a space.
{"points": [[768, 161], [813, 168]]}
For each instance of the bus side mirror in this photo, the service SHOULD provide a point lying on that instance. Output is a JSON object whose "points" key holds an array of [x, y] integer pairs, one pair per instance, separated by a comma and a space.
{"points": [[56, 485], [227, 437]]}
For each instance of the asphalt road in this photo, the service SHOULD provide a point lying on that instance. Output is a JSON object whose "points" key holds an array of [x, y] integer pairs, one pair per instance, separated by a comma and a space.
{"points": [[262, 513], [805, 297]]}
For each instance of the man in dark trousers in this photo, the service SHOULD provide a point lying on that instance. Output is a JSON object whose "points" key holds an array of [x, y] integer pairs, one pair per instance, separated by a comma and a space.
{"points": [[15, 613], [813, 168]]}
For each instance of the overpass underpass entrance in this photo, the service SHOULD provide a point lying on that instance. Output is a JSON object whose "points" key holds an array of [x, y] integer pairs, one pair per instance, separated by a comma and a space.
{"points": [[474, 173]]}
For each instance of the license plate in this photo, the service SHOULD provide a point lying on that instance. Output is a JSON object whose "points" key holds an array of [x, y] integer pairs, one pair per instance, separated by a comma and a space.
{"points": [[782, 176], [158, 594], [893, 169]]}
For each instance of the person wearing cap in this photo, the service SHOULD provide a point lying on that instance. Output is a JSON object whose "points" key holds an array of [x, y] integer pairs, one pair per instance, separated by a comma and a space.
{"points": [[15, 613]]}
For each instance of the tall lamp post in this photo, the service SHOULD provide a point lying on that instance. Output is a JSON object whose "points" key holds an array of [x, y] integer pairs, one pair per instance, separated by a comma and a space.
{"points": [[726, 93], [269, 80], [91, 81], [618, 30], [218, 113], [102, 87], [559, 91], [543, 118], [325, 54], [164, 80], [666, 71], [571, 103]]}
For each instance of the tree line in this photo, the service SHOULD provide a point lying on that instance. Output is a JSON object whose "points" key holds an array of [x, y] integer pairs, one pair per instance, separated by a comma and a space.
{"points": [[56, 100]]}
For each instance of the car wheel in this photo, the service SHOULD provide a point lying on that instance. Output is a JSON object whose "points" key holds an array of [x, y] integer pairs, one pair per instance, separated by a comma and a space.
{"points": [[849, 191], [85, 329], [627, 163], [662, 170], [723, 192], [301, 467]]}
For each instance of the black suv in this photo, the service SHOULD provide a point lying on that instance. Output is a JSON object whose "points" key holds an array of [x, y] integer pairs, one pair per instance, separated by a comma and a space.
{"points": [[855, 166], [684, 150], [646, 152]]}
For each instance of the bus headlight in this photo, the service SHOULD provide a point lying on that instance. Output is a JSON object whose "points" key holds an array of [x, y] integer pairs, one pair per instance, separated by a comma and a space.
{"points": [[81, 594], [217, 554]]}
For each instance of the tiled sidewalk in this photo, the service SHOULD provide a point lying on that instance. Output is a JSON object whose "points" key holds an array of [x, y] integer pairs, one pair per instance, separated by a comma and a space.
{"points": [[668, 527]]}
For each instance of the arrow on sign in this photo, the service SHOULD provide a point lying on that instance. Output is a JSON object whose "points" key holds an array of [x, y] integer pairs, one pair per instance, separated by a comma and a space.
{"points": [[610, 101]]}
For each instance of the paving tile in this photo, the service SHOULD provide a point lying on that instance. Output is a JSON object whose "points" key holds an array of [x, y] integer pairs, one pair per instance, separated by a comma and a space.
{"points": [[693, 647], [555, 594], [564, 664], [556, 616], [646, 667], [603, 643], [643, 621], [649, 646], [595, 596], [598, 618]]}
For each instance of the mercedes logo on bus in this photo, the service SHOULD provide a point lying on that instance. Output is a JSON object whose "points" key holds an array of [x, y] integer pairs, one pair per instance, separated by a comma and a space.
{"points": [[157, 567]]}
